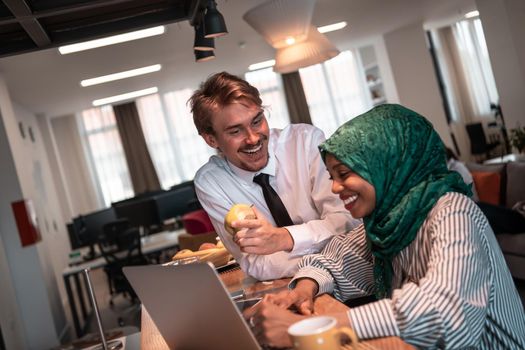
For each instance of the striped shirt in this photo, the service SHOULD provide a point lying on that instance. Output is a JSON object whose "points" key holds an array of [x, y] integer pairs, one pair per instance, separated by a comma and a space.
{"points": [[451, 285]]}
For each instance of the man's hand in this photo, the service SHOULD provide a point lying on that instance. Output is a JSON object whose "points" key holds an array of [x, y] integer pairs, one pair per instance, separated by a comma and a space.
{"points": [[259, 236]]}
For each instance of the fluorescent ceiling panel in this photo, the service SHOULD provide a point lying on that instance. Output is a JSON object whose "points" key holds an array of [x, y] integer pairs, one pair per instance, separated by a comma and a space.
{"points": [[261, 65], [126, 96], [121, 75], [472, 14], [110, 40], [331, 27]]}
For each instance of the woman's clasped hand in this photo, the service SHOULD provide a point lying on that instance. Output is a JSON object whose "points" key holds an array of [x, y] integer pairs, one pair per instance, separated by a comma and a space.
{"points": [[270, 318]]}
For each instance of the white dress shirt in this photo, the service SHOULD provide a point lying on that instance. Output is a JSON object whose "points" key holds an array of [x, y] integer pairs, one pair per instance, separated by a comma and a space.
{"points": [[299, 176], [452, 287], [461, 169]]}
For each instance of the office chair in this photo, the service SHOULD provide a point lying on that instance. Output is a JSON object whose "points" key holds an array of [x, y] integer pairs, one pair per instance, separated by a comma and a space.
{"points": [[199, 230], [120, 246], [478, 141], [197, 222]]}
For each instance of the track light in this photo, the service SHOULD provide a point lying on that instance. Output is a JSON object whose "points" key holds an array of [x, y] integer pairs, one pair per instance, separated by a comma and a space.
{"points": [[201, 43], [203, 56], [214, 25]]}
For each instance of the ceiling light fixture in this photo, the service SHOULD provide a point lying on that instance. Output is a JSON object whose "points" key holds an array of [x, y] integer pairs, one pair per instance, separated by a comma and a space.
{"points": [[316, 49], [214, 25], [202, 43], [110, 40], [126, 96], [277, 20], [472, 14], [203, 56], [120, 75], [261, 65], [290, 40], [331, 27]]}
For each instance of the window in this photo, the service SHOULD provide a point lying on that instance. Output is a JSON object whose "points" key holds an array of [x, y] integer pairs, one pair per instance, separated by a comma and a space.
{"points": [[175, 147], [271, 90], [334, 92], [190, 149], [465, 70], [105, 154], [158, 139], [475, 62]]}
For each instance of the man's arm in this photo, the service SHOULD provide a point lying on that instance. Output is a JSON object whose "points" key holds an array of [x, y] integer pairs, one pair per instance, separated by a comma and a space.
{"points": [[262, 267], [259, 236]]}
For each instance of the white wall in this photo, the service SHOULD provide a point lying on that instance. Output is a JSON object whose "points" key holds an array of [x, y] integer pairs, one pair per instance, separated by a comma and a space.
{"points": [[504, 27], [383, 62], [414, 76], [37, 183], [35, 274], [11, 320], [386, 71]]}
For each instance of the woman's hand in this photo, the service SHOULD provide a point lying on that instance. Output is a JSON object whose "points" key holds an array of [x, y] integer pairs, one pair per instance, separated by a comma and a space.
{"points": [[270, 323], [301, 297]]}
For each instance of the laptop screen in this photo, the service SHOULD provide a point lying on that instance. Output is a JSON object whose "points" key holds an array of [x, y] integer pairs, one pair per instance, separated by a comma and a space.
{"points": [[190, 306]]}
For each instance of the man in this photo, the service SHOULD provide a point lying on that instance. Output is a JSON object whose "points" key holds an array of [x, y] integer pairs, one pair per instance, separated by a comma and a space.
{"points": [[228, 114]]}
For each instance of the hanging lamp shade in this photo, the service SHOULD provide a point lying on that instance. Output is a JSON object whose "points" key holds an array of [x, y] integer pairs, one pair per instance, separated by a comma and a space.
{"points": [[315, 49], [279, 21], [214, 24], [203, 56], [201, 43]]}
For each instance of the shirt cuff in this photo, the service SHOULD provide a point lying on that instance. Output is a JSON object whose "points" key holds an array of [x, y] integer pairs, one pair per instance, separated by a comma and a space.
{"points": [[302, 242], [374, 320], [322, 277]]}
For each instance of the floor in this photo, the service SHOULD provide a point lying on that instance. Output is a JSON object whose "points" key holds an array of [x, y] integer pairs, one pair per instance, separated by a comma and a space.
{"points": [[122, 313], [122, 316]]}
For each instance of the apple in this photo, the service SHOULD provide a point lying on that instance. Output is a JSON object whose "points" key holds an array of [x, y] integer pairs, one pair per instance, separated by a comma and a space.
{"points": [[206, 245], [238, 212]]}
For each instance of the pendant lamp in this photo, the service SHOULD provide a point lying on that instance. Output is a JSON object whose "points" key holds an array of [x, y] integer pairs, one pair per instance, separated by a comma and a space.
{"points": [[315, 49], [282, 21]]}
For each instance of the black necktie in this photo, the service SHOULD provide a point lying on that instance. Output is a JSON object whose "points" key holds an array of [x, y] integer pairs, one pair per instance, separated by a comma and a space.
{"points": [[276, 206]]}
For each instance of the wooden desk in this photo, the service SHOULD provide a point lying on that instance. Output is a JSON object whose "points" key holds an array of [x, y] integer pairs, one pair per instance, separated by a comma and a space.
{"points": [[236, 280], [150, 244]]}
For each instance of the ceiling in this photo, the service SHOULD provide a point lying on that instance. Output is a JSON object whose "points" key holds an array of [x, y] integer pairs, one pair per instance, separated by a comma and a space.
{"points": [[28, 25], [44, 82]]}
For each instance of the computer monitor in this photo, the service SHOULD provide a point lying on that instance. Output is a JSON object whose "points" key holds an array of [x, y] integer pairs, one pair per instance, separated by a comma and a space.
{"points": [[139, 212], [93, 224], [73, 234], [177, 202]]}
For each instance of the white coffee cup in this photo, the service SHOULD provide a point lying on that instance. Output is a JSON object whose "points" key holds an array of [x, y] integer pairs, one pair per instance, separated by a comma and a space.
{"points": [[319, 333]]}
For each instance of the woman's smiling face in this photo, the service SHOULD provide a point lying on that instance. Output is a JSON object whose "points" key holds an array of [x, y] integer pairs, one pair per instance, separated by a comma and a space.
{"points": [[358, 196]]}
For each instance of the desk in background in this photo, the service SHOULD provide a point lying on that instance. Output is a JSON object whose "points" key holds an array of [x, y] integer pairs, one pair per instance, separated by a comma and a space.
{"points": [[150, 245], [235, 280]]}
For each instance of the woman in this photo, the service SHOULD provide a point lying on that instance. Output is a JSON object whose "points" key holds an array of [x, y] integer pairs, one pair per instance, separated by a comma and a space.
{"points": [[425, 249]]}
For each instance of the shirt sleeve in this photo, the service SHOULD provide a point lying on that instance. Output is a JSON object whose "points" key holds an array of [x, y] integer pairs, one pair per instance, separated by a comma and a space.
{"points": [[343, 268], [261, 267], [310, 237], [447, 307]]}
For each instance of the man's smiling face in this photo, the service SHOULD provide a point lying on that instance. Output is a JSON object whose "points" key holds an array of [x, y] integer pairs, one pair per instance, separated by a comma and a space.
{"points": [[241, 133]]}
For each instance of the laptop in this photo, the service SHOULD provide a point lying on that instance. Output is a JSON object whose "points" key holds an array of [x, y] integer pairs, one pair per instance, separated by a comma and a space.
{"points": [[191, 307]]}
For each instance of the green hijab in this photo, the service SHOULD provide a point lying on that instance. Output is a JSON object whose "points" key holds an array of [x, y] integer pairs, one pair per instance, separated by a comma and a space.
{"points": [[398, 152]]}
